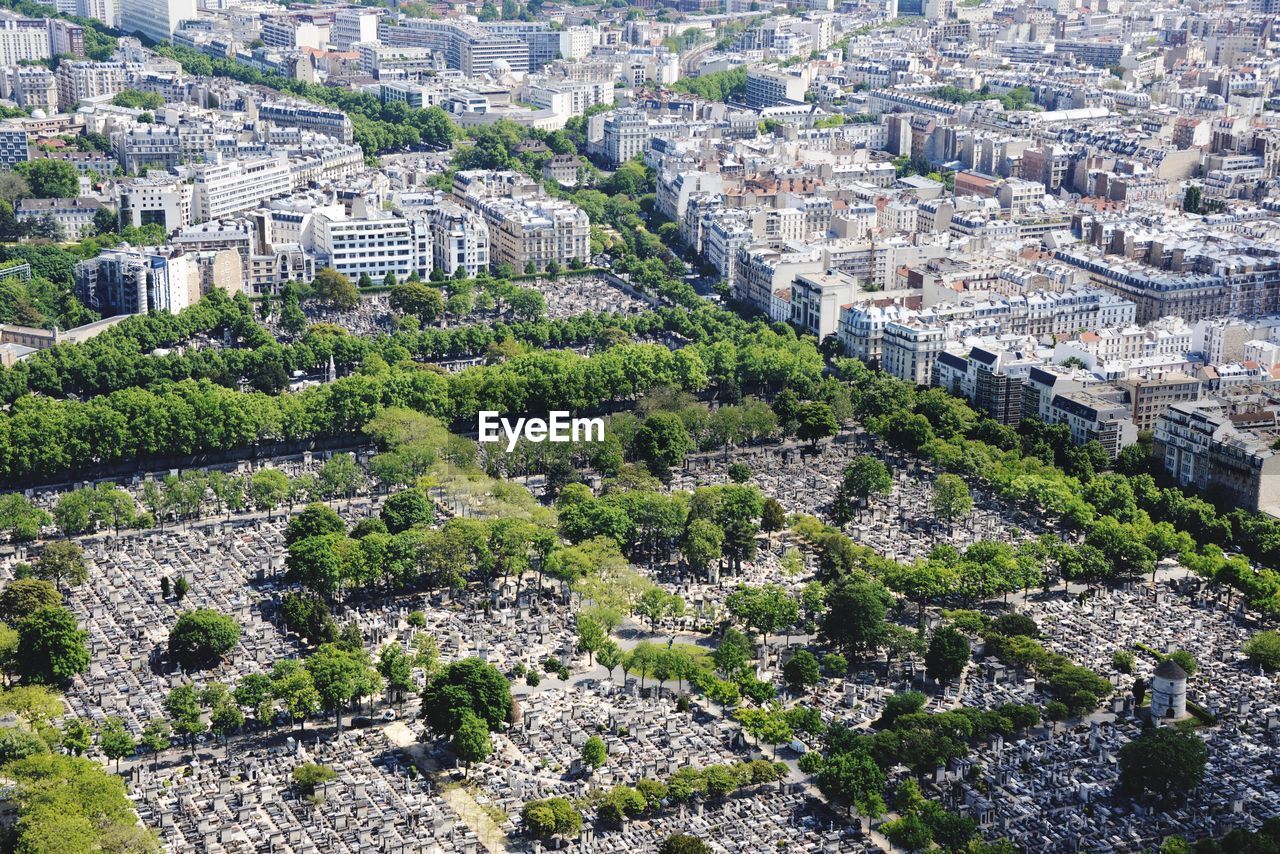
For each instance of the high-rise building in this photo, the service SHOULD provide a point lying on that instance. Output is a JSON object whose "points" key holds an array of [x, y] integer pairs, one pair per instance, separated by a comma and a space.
{"points": [[155, 19]]}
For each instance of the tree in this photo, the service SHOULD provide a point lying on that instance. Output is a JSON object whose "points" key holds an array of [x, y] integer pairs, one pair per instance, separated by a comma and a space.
{"points": [[13, 187], [1191, 199], [552, 817], [767, 609], [335, 289], [309, 775], [315, 520], [1164, 762], [182, 705], [1263, 649], [854, 778], [609, 655], [656, 604], [815, 421], [226, 719], [733, 654], [951, 498], [909, 833], [773, 517], [419, 299], [405, 510], [339, 476], [51, 648], [155, 738], [683, 843], [309, 616], [854, 620], [77, 736], [701, 544], [337, 673], [471, 741], [20, 519], [471, 684], [594, 752], [201, 637], [1185, 660], [291, 683], [62, 562], [16, 744], [396, 668], [1123, 661], [50, 179], [115, 741], [268, 488], [802, 670], [947, 655], [252, 690], [23, 596], [591, 636], [739, 472], [662, 442], [180, 588], [864, 477]]}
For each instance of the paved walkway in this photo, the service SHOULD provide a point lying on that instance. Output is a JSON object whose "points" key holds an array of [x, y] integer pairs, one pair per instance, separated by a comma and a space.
{"points": [[456, 795]]}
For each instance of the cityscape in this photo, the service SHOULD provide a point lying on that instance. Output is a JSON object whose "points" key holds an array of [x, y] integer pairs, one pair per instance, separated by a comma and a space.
{"points": [[653, 427]]}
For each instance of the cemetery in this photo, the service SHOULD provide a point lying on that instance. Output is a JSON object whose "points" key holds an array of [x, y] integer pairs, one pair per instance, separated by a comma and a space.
{"points": [[397, 787]]}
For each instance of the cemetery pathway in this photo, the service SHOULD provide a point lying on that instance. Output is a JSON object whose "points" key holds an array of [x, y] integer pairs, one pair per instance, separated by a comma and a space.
{"points": [[458, 797]]}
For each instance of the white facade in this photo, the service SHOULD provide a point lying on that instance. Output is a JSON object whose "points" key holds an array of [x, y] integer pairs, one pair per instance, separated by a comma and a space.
{"points": [[156, 19], [227, 188], [375, 246], [22, 39], [459, 240]]}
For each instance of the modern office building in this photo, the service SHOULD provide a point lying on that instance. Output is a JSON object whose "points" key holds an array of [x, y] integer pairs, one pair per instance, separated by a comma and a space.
{"points": [[155, 19]]}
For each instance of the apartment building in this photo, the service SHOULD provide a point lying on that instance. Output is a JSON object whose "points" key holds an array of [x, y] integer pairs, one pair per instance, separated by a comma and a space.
{"points": [[909, 348], [31, 86], [1150, 397], [164, 201], [533, 232], [23, 39], [465, 45], [1095, 416], [773, 87], [459, 240], [73, 216], [222, 189], [989, 377], [374, 244], [130, 281], [328, 121], [1205, 446], [626, 134], [353, 26], [14, 147], [816, 299], [144, 147], [78, 81]]}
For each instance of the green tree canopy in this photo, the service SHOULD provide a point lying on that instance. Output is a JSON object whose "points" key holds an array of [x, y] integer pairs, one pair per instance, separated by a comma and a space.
{"points": [[201, 637]]}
